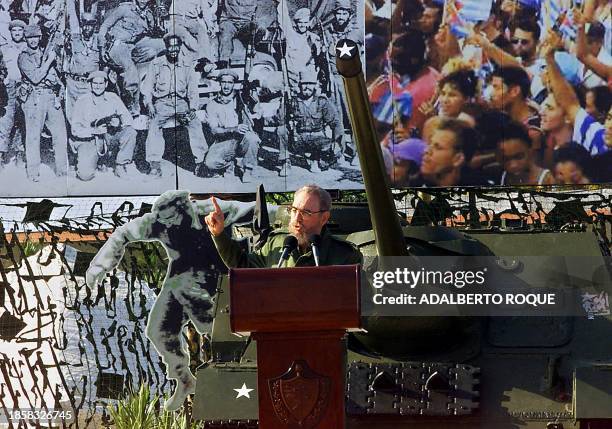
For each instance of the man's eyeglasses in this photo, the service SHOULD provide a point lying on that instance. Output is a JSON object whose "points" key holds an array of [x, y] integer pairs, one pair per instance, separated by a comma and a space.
{"points": [[305, 213], [523, 42]]}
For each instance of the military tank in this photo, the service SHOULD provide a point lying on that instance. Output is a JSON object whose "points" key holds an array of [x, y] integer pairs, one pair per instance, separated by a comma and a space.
{"points": [[439, 372]]}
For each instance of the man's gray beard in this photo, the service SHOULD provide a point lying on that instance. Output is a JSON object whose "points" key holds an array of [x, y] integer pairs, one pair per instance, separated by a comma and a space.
{"points": [[303, 241], [302, 237]]}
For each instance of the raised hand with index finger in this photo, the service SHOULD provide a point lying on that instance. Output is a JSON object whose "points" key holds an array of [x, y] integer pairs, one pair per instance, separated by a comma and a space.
{"points": [[215, 220]]}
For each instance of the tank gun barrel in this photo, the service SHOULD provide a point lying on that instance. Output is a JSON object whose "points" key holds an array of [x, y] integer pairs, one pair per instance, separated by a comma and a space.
{"points": [[385, 222]]}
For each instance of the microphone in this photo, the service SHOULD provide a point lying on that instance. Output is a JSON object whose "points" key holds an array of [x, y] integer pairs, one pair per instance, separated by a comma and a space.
{"points": [[315, 242], [289, 244]]}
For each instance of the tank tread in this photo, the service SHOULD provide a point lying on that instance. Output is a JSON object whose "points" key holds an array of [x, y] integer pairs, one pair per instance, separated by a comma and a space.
{"points": [[232, 424], [412, 388]]}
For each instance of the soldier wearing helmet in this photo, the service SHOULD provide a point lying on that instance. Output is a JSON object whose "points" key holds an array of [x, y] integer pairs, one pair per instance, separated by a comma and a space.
{"points": [[342, 26], [168, 102], [232, 130], [16, 28], [40, 96], [83, 56], [122, 41], [10, 52], [101, 124], [313, 114], [303, 45]]}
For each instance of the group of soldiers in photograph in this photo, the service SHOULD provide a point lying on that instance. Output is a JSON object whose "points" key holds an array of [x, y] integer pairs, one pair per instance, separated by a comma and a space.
{"points": [[91, 82]]}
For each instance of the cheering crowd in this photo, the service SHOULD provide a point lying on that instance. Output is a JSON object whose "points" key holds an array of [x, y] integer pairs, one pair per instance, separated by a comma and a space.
{"points": [[501, 92]]}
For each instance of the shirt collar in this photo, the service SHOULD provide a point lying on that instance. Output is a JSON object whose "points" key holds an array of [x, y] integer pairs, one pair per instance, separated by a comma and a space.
{"points": [[96, 100], [225, 99]]}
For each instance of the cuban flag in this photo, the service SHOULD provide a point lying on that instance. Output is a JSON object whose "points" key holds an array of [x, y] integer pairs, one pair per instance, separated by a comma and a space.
{"points": [[474, 10], [390, 98], [566, 26], [464, 11], [455, 20]]}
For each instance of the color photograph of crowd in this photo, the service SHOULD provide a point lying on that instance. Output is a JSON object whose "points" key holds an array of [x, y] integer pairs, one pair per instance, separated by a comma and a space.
{"points": [[491, 92]]}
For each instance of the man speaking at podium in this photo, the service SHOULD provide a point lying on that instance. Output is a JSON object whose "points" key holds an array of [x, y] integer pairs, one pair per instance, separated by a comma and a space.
{"points": [[305, 243]]}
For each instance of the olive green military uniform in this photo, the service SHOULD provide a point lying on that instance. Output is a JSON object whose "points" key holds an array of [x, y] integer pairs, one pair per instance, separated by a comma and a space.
{"points": [[311, 117], [332, 251]]}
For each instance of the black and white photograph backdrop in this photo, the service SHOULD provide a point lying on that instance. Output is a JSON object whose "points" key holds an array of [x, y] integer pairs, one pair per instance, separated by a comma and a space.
{"points": [[126, 98]]}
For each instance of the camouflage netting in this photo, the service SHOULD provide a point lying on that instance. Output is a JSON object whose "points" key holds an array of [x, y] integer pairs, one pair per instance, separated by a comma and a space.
{"points": [[63, 344], [512, 208]]}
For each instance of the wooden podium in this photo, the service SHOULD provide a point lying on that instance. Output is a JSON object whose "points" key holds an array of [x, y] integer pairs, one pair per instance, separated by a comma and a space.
{"points": [[298, 316]]}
